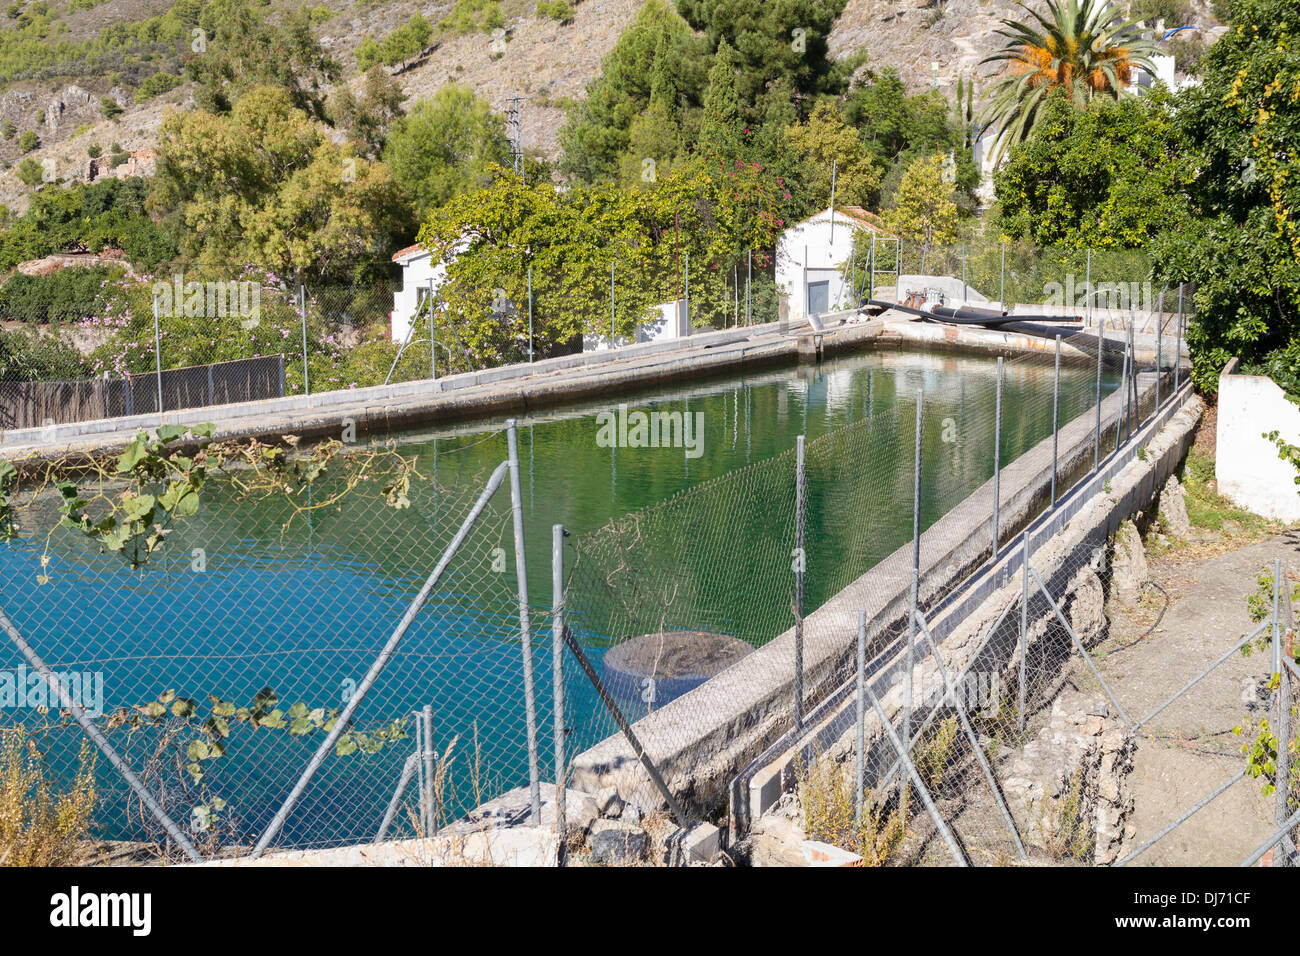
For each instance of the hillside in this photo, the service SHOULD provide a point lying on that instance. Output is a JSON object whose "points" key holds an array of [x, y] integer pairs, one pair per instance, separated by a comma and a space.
{"points": [[544, 61]]}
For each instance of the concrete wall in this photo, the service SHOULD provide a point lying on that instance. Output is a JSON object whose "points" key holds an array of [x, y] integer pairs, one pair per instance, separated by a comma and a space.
{"points": [[812, 252], [1247, 467]]}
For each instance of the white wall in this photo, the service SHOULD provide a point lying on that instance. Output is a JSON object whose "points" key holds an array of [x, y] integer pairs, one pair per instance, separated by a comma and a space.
{"points": [[417, 271], [809, 252], [662, 327], [1247, 468]]}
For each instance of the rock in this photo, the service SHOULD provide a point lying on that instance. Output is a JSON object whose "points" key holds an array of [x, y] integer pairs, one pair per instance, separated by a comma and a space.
{"points": [[1172, 508], [613, 842], [1091, 726], [608, 803], [631, 814], [1128, 565]]}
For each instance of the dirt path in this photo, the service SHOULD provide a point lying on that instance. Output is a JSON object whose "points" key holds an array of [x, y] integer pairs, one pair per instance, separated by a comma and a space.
{"points": [[1189, 748]]}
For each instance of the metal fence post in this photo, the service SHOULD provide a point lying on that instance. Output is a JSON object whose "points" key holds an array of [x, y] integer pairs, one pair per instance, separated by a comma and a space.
{"points": [[861, 742], [433, 337], [798, 580], [557, 680], [914, 592], [1056, 415], [530, 314], [1096, 436], [306, 379], [964, 291], [1160, 325], [1178, 343], [426, 723], [1002, 279], [1024, 623], [377, 666], [688, 293], [1286, 632], [611, 302], [525, 634], [749, 285], [157, 353], [1087, 282], [997, 460], [1124, 425]]}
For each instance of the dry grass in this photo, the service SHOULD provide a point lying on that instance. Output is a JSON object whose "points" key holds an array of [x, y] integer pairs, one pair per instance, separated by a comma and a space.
{"points": [[826, 796], [41, 825]]}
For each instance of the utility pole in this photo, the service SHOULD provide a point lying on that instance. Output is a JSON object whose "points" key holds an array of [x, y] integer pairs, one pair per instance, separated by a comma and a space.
{"points": [[515, 132]]}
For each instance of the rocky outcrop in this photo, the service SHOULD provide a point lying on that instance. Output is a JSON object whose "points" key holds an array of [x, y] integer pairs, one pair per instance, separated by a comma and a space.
{"points": [[1172, 509], [1068, 788], [1128, 564]]}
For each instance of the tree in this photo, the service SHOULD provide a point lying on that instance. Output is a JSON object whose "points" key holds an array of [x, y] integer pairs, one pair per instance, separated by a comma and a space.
{"points": [[825, 144], [242, 51], [368, 119], [721, 130], [1083, 46], [924, 209], [30, 172], [28, 141], [775, 41], [445, 146], [1112, 175], [110, 107], [596, 135], [263, 185], [1241, 244]]}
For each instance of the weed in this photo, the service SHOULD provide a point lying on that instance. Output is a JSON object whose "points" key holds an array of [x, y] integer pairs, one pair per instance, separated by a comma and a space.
{"points": [[1068, 833], [40, 824], [826, 795]]}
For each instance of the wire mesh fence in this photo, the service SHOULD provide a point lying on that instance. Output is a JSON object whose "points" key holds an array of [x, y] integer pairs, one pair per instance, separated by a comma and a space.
{"points": [[232, 659]]}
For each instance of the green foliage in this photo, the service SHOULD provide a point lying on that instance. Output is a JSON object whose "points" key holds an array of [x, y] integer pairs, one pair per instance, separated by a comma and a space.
{"points": [[658, 44], [9, 130], [1080, 46], [28, 141], [488, 239], [29, 356], [156, 85], [368, 119], [559, 10], [473, 16], [445, 146], [263, 184], [63, 296], [134, 522], [402, 44], [826, 797], [1175, 13], [924, 209], [245, 51], [30, 172], [109, 107], [103, 215], [776, 43], [824, 143], [1242, 244], [1111, 174]]}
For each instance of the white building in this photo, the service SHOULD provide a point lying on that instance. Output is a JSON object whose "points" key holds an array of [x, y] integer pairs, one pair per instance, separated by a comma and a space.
{"points": [[811, 254], [419, 277]]}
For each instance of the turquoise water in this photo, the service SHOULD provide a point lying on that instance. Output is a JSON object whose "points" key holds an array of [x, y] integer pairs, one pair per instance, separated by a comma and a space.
{"points": [[303, 610]]}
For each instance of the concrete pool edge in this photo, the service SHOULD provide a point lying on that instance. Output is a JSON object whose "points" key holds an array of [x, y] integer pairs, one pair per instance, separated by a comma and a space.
{"points": [[522, 388]]}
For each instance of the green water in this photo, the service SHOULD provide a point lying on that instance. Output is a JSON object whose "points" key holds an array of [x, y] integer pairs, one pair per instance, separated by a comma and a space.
{"points": [[304, 610]]}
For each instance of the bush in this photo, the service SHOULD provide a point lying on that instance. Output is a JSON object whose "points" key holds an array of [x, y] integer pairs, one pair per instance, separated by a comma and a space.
{"points": [[32, 357], [156, 85], [31, 172], [28, 141], [40, 824], [64, 296], [109, 107], [559, 10]]}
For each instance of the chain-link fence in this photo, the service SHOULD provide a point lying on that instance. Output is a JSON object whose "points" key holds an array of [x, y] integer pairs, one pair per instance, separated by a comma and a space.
{"points": [[727, 615], [261, 678], [210, 334]]}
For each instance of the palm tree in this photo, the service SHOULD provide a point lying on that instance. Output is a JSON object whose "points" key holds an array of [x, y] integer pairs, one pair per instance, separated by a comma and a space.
{"points": [[1084, 46]]}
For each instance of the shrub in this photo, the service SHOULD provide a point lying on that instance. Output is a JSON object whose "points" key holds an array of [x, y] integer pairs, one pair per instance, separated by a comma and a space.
{"points": [[40, 824], [31, 172], [559, 10], [28, 141]]}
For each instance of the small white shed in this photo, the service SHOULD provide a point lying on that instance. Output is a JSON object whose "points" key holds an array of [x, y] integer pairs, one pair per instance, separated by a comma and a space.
{"points": [[811, 254], [419, 276]]}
